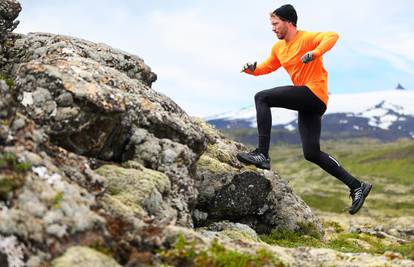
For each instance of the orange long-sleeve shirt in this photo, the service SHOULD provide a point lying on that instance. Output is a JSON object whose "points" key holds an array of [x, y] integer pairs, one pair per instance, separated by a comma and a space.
{"points": [[289, 54]]}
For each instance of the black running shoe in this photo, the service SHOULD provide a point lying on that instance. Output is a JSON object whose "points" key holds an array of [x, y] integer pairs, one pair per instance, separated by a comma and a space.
{"points": [[358, 197], [256, 158]]}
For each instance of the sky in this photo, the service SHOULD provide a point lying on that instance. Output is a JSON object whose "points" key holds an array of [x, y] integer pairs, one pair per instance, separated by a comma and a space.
{"points": [[198, 47]]}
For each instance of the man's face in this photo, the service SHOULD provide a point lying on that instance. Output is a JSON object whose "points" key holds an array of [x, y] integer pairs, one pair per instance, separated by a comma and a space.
{"points": [[279, 27]]}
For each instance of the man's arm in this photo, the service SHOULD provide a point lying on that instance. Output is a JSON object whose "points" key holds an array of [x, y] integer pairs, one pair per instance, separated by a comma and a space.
{"points": [[323, 41], [271, 64]]}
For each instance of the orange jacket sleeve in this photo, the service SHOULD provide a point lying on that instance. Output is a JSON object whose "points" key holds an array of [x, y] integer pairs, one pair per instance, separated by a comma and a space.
{"points": [[271, 64], [323, 41]]}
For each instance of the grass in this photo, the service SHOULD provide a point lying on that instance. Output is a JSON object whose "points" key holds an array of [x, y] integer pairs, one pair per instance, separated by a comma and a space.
{"points": [[390, 167], [341, 241], [290, 239], [186, 253]]}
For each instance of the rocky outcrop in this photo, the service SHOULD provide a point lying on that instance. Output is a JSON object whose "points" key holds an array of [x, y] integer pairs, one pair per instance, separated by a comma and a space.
{"points": [[231, 191], [95, 101]]}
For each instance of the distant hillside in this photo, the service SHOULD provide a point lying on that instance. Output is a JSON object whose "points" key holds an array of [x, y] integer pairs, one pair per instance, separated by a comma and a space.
{"points": [[384, 115]]}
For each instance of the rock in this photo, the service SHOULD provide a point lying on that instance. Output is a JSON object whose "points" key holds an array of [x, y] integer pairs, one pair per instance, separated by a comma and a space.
{"points": [[42, 45], [9, 10], [229, 230], [11, 251], [258, 198], [84, 257], [143, 191]]}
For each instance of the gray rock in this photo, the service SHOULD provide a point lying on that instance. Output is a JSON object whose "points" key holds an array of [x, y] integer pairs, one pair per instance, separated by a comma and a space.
{"points": [[231, 191], [9, 10], [84, 257]]}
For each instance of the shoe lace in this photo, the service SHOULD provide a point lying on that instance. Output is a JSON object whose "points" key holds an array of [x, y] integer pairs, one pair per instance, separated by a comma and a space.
{"points": [[257, 154], [356, 194]]}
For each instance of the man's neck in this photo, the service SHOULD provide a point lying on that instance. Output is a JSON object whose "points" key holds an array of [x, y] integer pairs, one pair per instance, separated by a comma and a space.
{"points": [[291, 34]]}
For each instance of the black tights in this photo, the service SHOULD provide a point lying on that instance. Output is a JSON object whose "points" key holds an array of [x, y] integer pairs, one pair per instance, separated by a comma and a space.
{"points": [[310, 109]]}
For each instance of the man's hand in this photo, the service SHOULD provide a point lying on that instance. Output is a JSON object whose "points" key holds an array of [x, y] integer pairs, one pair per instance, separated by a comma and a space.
{"points": [[308, 57], [249, 66]]}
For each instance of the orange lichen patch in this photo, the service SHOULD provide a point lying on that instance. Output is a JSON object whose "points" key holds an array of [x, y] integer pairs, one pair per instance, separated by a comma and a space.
{"points": [[105, 100], [69, 86], [146, 104], [91, 90]]}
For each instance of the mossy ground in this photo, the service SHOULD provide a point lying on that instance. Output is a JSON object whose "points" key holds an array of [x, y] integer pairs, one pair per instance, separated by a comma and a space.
{"points": [[341, 241], [389, 166], [12, 173], [186, 253], [9, 81]]}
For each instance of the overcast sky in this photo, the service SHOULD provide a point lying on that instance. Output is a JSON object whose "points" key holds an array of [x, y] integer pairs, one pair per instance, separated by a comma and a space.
{"points": [[197, 48]]}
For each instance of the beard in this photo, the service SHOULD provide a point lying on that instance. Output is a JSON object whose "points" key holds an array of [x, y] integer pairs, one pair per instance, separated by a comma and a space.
{"points": [[281, 34]]}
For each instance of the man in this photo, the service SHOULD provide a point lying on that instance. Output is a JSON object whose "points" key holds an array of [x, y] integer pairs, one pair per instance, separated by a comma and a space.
{"points": [[300, 53]]}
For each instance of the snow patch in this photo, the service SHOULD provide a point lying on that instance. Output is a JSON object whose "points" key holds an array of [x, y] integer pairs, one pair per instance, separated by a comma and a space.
{"points": [[290, 127], [377, 106]]}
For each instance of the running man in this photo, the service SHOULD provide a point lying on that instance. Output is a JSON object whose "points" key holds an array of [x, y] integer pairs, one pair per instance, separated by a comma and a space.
{"points": [[300, 53]]}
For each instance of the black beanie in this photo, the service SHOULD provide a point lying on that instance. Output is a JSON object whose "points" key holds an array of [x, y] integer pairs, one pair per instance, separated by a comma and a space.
{"points": [[288, 13]]}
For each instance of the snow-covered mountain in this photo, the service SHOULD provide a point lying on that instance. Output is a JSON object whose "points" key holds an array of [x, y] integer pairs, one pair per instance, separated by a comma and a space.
{"points": [[387, 115]]}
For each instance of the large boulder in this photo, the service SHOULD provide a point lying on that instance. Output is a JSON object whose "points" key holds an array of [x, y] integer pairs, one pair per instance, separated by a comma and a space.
{"points": [[96, 101], [232, 191]]}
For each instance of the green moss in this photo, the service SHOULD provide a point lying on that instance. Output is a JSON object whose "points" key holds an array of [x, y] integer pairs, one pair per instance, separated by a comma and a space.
{"points": [[308, 228], [218, 154], [239, 235], [130, 187], [98, 246], [23, 166], [213, 165], [57, 199], [379, 247], [8, 184], [9, 82], [332, 224], [12, 174], [9, 161], [344, 243], [185, 253], [288, 238], [406, 250]]}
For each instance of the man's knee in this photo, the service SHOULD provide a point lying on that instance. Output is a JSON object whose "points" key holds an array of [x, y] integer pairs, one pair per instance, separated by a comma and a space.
{"points": [[311, 155], [259, 97]]}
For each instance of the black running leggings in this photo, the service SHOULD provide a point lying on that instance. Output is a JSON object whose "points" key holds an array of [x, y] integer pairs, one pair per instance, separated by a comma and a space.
{"points": [[310, 109]]}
